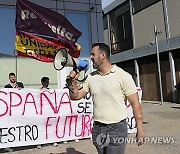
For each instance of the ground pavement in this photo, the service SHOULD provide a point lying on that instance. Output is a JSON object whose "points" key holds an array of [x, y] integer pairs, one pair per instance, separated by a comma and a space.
{"points": [[161, 126]]}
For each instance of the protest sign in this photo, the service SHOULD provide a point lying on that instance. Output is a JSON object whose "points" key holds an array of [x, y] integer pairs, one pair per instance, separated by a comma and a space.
{"points": [[30, 117]]}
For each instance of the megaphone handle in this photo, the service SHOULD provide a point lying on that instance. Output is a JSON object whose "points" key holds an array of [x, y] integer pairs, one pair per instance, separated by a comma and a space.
{"points": [[74, 66], [82, 79]]}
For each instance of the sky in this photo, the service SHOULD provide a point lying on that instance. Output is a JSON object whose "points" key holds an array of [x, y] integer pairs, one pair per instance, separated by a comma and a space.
{"points": [[106, 3]]}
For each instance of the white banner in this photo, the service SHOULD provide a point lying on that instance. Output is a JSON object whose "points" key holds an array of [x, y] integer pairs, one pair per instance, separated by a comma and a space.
{"points": [[30, 117]]}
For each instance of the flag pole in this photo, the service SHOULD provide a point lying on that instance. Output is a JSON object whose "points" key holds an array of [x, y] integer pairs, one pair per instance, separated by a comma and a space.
{"points": [[58, 71], [16, 63], [156, 33]]}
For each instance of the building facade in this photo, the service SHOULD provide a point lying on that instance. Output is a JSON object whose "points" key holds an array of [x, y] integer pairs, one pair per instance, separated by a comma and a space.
{"points": [[85, 15], [144, 37]]}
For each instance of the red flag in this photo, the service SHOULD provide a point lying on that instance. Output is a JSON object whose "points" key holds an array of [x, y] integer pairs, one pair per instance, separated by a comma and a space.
{"points": [[39, 48], [44, 24]]}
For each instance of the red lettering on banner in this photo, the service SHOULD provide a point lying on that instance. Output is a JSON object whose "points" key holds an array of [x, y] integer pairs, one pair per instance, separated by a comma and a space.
{"points": [[31, 102], [65, 102], [76, 127], [70, 122], [58, 127], [47, 125], [86, 125], [50, 103], [17, 100], [5, 112], [67, 125], [11, 103]]}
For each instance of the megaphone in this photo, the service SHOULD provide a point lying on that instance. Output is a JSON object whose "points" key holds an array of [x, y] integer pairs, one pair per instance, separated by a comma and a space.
{"points": [[63, 59]]}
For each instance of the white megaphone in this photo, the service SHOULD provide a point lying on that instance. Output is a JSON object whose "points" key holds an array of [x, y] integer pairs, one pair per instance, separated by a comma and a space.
{"points": [[63, 59]]}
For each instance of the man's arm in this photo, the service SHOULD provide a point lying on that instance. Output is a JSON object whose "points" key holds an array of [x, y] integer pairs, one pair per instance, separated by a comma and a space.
{"points": [[137, 111]]}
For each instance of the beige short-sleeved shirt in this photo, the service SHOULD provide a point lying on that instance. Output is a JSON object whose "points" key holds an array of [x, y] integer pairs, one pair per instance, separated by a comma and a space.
{"points": [[108, 93]]}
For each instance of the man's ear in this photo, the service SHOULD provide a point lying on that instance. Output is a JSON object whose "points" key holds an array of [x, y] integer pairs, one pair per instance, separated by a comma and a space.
{"points": [[103, 56]]}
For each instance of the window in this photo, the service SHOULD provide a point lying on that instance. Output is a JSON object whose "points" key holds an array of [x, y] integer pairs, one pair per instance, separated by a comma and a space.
{"points": [[139, 5], [105, 22], [120, 29], [7, 30]]}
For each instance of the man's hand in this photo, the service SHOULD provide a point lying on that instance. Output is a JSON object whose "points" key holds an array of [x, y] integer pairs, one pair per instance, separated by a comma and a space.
{"points": [[75, 91], [140, 138], [73, 76], [71, 80]]}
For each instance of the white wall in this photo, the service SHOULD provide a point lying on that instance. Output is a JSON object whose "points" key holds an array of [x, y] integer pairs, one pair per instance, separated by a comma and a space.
{"points": [[144, 22], [173, 7]]}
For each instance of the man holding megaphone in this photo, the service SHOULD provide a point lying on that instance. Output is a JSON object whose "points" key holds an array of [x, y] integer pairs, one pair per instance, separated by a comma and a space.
{"points": [[63, 59], [109, 86]]}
